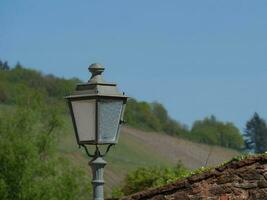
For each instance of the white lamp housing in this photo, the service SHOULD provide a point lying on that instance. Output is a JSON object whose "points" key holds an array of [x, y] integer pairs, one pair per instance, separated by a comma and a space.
{"points": [[97, 110]]}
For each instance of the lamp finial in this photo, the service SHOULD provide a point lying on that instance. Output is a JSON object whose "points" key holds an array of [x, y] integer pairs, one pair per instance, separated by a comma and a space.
{"points": [[96, 70]]}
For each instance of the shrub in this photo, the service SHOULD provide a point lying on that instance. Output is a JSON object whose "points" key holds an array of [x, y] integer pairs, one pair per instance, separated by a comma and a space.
{"points": [[149, 177]]}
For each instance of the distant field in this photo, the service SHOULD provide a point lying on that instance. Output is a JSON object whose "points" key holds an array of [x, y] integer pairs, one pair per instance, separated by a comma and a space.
{"points": [[139, 148]]}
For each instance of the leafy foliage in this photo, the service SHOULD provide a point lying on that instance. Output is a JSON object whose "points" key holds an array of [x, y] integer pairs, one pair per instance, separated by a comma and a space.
{"points": [[4, 66], [30, 168], [139, 114], [143, 115], [256, 134], [149, 177], [13, 81], [152, 116], [209, 131], [212, 131]]}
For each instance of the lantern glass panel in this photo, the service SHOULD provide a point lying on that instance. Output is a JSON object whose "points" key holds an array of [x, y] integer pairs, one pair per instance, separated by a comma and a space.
{"points": [[84, 113], [109, 115]]}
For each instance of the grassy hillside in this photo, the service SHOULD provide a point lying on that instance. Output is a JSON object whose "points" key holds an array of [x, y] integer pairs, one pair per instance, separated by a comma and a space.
{"points": [[136, 147], [128, 155], [139, 148], [18, 81]]}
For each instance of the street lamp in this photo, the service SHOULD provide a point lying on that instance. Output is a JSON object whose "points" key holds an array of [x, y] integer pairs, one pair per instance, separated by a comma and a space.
{"points": [[97, 109]]}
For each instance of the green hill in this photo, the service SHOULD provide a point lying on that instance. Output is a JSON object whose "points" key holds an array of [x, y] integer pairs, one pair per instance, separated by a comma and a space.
{"points": [[139, 148], [156, 139], [141, 115]]}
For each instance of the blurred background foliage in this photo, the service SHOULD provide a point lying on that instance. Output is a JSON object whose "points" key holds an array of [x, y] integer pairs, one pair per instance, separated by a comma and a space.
{"points": [[30, 166], [142, 115], [31, 110], [154, 117]]}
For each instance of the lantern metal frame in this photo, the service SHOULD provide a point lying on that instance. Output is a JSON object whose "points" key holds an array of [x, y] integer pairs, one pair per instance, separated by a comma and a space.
{"points": [[97, 99], [96, 89]]}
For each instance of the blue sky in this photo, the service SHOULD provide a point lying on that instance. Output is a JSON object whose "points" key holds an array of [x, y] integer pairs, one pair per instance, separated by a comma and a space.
{"points": [[196, 57]]}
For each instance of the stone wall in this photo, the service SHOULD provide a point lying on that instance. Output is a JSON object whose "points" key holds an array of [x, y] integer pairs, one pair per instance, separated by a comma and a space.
{"points": [[237, 180]]}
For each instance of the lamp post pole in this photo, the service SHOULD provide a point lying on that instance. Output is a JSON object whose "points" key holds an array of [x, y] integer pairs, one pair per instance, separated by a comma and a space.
{"points": [[97, 165], [96, 109]]}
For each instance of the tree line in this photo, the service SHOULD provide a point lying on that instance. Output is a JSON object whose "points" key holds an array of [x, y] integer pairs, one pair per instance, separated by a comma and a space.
{"points": [[31, 167], [154, 117], [31, 109], [139, 114]]}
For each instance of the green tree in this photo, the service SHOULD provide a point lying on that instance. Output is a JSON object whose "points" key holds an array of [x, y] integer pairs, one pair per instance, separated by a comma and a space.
{"points": [[149, 177], [168, 125], [212, 131], [160, 112], [5, 66], [18, 66], [3, 92], [139, 114], [30, 167], [256, 134]]}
